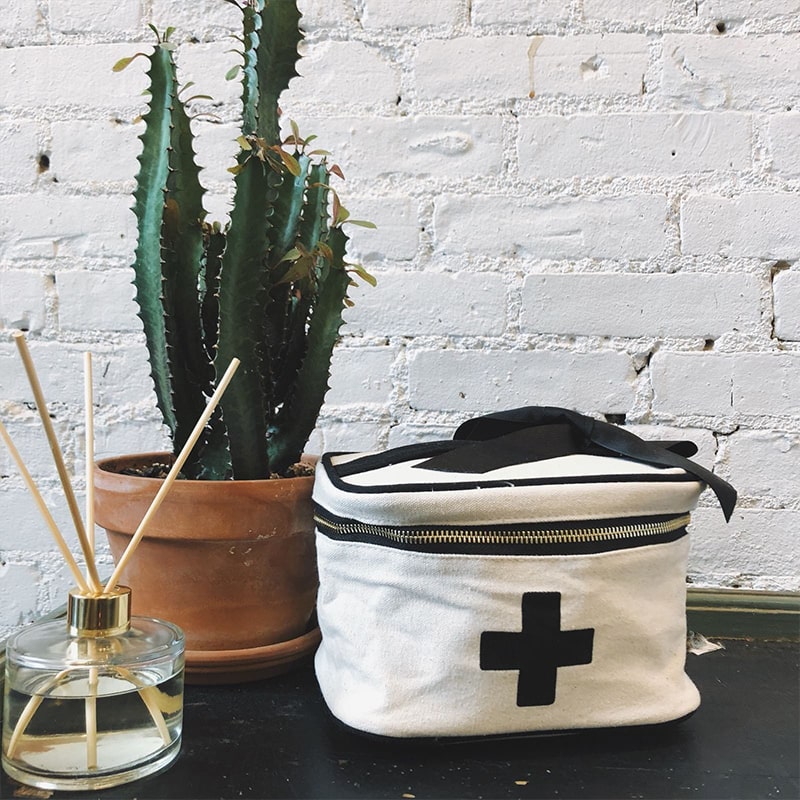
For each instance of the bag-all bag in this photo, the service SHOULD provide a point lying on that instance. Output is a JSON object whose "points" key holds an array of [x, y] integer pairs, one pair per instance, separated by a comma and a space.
{"points": [[528, 576]]}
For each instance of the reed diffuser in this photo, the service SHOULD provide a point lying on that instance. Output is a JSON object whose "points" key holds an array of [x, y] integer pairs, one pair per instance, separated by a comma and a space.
{"points": [[97, 700]]}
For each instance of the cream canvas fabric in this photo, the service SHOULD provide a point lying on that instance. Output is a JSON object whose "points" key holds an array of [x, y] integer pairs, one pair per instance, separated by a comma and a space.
{"points": [[401, 639], [547, 595]]}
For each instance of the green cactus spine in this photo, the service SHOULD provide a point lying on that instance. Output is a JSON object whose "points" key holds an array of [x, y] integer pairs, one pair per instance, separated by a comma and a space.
{"points": [[269, 288]]}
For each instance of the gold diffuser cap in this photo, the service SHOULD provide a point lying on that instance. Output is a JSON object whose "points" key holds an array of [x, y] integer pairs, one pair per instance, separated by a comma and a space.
{"points": [[107, 614]]}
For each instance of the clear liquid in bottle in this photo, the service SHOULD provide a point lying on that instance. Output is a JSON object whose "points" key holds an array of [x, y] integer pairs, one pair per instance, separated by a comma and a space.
{"points": [[92, 712]]}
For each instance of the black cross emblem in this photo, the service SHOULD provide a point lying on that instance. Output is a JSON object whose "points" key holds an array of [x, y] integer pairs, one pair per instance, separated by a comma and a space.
{"points": [[538, 650]]}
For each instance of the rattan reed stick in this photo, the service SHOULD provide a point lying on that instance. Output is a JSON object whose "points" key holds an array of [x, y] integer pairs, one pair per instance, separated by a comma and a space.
{"points": [[90, 703], [89, 445], [172, 475], [94, 579]]}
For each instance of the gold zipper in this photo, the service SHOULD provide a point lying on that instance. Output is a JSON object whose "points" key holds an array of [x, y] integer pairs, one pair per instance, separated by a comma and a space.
{"points": [[510, 536]]}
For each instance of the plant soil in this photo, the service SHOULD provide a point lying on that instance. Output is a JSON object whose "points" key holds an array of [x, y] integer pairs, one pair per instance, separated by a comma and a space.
{"points": [[161, 470], [157, 470]]}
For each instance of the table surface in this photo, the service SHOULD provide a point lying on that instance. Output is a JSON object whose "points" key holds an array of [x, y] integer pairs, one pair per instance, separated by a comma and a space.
{"points": [[275, 739]]}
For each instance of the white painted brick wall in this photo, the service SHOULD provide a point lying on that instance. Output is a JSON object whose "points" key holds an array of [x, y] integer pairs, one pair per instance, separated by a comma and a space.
{"points": [[766, 464], [525, 12], [740, 72], [553, 146], [203, 19], [591, 203], [692, 384], [106, 288], [468, 68], [397, 235], [19, 145], [20, 592], [95, 16], [762, 540], [69, 75], [75, 144], [787, 305], [362, 376], [753, 225], [678, 305], [22, 299], [55, 226], [758, 384], [457, 304], [783, 131], [445, 380], [382, 14], [767, 384], [629, 227], [420, 146], [24, 429], [605, 65], [645, 12], [749, 11], [352, 75], [18, 20]]}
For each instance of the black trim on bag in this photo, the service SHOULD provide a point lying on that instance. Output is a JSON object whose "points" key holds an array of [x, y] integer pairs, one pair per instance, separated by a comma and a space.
{"points": [[588, 432], [341, 529], [396, 455], [336, 472], [535, 433]]}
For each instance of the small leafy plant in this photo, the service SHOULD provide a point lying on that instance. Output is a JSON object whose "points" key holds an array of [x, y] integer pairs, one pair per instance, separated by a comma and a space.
{"points": [[268, 288]]}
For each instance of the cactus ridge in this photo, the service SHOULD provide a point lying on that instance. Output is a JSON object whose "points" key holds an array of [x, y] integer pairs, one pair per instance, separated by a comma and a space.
{"points": [[279, 36], [148, 208], [268, 288], [182, 252]]}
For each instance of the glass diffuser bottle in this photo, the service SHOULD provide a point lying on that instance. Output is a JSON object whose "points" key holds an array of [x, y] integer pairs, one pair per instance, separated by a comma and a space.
{"points": [[97, 702], [93, 702]]}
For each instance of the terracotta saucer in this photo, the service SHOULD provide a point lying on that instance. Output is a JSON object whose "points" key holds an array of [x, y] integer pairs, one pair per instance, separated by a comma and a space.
{"points": [[250, 664]]}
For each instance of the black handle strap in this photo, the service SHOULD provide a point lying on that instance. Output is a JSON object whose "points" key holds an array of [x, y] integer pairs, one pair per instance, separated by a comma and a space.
{"points": [[538, 432]]}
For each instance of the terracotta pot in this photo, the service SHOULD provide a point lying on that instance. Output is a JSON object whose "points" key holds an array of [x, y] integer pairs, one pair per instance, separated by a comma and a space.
{"points": [[231, 562]]}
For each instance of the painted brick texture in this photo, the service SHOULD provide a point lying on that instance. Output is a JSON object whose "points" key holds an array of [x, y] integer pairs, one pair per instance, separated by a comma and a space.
{"points": [[591, 203]]}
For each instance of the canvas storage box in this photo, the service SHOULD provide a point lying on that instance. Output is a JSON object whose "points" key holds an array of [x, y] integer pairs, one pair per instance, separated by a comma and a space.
{"points": [[527, 576]]}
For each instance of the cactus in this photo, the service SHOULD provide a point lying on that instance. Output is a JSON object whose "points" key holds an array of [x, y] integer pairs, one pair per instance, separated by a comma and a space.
{"points": [[268, 288]]}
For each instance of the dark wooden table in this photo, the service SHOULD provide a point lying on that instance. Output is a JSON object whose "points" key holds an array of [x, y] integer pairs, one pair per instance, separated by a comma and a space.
{"points": [[275, 739]]}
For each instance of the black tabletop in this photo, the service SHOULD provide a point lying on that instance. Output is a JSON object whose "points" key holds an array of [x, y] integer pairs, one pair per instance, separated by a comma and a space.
{"points": [[275, 739]]}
